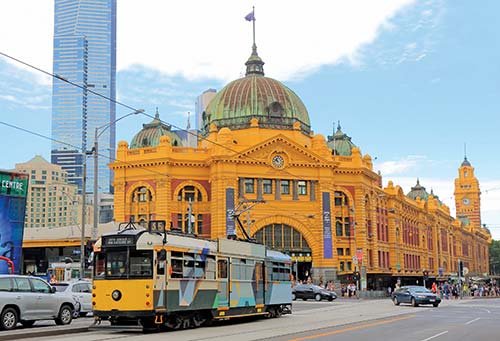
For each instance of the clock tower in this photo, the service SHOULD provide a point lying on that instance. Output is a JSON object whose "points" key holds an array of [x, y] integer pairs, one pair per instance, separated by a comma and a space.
{"points": [[468, 195]]}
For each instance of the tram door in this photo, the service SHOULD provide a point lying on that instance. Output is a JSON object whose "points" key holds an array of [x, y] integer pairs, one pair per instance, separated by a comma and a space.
{"points": [[259, 283], [223, 276], [159, 292]]}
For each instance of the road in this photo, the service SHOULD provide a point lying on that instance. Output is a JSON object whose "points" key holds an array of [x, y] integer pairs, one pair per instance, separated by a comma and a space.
{"points": [[339, 320]]}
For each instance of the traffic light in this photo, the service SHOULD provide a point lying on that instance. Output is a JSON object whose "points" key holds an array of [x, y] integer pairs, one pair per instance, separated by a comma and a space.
{"points": [[89, 248], [426, 275], [460, 268], [356, 276]]}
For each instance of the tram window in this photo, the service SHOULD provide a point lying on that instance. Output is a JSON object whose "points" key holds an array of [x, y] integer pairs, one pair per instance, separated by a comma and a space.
{"points": [[99, 268], [222, 268], [210, 272], [116, 263], [188, 266], [140, 263], [176, 268]]}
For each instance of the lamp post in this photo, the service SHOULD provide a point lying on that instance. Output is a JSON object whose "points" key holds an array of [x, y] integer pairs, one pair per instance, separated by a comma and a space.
{"points": [[95, 151]]}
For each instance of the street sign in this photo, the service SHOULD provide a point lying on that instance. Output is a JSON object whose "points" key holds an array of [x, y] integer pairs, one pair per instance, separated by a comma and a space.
{"points": [[355, 260], [466, 270]]}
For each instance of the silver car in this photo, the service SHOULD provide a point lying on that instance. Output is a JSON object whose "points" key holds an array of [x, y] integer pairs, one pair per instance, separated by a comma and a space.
{"points": [[27, 299], [80, 291]]}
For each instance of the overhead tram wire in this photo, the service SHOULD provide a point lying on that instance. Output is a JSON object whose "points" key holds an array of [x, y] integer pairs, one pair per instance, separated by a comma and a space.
{"points": [[236, 153], [72, 146]]}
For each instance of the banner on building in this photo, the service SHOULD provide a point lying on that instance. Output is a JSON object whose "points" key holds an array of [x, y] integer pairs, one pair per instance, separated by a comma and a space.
{"points": [[359, 255], [13, 191], [230, 225], [327, 226]]}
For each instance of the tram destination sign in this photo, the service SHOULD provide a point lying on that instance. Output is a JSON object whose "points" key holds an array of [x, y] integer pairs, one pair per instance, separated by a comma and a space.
{"points": [[118, 241]]}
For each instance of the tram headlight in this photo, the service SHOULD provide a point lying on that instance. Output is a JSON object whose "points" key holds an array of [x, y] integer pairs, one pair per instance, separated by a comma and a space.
{"points": [[116, 295]]}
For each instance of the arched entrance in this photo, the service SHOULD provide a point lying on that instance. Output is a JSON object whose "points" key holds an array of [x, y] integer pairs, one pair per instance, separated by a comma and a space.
{"points": [[285, 238]]}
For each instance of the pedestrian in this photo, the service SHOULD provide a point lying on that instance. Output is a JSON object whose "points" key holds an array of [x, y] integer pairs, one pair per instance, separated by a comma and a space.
{"points": [[342, 290], [434, 287], [389, 291]]}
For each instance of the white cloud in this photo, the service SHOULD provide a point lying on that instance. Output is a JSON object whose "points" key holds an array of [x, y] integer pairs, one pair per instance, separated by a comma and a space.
{"points": [[210, 39], [400, 166]]}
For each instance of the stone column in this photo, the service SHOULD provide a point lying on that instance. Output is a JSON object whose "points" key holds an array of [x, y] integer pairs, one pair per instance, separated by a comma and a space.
{"points": [[294, 190], [277, 194], [259, 189]]}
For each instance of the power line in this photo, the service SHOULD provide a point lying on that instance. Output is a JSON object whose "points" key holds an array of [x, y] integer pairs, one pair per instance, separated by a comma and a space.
{"points": [[236, 153]]}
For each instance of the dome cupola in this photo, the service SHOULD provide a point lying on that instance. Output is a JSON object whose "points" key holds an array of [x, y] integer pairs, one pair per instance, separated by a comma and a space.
{"points": [[151, 132], [340, 143], [418, 191]]}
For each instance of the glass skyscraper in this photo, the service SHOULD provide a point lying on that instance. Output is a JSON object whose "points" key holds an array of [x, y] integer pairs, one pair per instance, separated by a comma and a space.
{"points": [[84, 53]]}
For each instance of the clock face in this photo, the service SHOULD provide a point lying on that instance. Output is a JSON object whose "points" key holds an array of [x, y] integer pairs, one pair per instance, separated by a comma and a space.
{"points": [[278, 161], [466, 201]]}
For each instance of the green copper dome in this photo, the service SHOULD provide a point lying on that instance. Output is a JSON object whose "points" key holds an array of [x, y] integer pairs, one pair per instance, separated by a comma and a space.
{"points": [[418, 191], [340, 143], [151, 132], [255, 96]]}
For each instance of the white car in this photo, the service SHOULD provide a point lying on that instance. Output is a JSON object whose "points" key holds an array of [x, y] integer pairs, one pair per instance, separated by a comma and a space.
{"points": [[81, 291]]}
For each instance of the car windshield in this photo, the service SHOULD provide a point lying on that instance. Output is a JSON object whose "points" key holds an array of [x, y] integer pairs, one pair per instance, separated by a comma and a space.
{"points": [[60, 287], [124, 263], [420, 290]]}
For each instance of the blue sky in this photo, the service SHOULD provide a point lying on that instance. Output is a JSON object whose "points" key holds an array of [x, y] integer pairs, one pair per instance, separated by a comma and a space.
{"points": [[411, 82]]}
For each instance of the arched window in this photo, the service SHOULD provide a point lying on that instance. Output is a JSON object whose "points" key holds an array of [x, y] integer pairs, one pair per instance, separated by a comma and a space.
{"points": [[282, 237], [142, 194], [190, 193]]}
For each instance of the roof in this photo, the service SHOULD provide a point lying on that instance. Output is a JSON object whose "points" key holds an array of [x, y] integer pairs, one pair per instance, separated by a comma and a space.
{"points": [[418, 191], [340, 143], [256, 96], [151, 132]]}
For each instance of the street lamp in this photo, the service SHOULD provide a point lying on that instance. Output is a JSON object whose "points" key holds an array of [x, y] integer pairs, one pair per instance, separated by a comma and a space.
{"points": [[96, 177]]}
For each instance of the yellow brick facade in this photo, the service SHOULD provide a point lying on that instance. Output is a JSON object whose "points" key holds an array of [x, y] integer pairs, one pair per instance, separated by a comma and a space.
{"points": [[396, 235]]}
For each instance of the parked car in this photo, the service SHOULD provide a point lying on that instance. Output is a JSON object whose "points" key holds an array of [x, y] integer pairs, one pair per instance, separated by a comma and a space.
{"points": [[80, 291], [415, 295], [306, 291], [27, 299]]}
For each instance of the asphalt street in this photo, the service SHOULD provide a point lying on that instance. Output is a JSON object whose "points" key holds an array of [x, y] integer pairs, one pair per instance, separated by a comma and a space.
{"points": [[338, 320]]}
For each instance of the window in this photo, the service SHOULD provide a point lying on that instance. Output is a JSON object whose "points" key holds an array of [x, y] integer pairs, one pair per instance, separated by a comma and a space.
{"points": [[222, 268], [338, 227], [268, 186], [285, 186], [349, 266], [348, 252], [199, 224], [302, 187], [5, 284], [23, 285], [342, 266], [189, 193], [249, 185], [340, 251]]}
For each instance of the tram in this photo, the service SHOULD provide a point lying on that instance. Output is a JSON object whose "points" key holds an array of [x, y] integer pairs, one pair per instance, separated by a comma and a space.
{"points": [[171, 280]]}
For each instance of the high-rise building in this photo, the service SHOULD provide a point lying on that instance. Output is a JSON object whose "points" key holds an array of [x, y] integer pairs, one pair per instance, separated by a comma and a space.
{"points": [[52, 201], [468, 195], [201, 104], [85, 54]]}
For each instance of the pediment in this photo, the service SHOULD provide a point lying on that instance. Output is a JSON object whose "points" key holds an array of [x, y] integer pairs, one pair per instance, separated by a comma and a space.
{"points": [[292, 153]]}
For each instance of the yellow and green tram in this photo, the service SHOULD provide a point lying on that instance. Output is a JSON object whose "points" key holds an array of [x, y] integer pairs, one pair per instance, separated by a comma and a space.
{"points": [[173, 280]]}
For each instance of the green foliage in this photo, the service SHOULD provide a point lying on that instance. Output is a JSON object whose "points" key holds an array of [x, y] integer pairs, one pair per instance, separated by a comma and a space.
{"points": [[495, 257]]}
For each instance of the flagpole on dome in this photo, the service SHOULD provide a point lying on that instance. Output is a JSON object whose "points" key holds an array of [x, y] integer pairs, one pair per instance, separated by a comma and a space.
{"points": [[253, 24]]}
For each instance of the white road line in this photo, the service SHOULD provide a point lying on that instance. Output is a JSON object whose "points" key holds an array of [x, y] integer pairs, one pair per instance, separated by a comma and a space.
{"points": [[489, 312], [472, 320], [437, 335]]}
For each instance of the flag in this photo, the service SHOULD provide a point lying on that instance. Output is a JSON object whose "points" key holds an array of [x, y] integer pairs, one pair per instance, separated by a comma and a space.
{"points": [[250, 16]]}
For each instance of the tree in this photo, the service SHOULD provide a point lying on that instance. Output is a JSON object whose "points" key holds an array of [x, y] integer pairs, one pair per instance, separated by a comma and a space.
{"points": [[495, 257]]}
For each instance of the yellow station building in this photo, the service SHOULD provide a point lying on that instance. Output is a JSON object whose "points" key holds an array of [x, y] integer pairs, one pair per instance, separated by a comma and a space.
{"points": [[315, 198]]}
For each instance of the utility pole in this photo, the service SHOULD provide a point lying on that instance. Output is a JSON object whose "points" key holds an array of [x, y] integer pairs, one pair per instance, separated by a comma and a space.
{"points": [[249, 222], [82, 240], [190, 214]]}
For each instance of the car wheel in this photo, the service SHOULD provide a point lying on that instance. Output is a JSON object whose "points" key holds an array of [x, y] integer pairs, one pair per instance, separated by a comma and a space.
{"points": [[65, 315], [8, 319], [304, 299], [294, 297], [414, 302], [317, 297], [435, 305], [28, 323], [395, 300], [330, 299]]}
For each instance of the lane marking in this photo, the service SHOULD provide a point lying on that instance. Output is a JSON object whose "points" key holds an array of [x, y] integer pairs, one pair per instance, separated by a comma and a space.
{"points": [[437, 335], [472, 320], [366, 325], [489, 312]]}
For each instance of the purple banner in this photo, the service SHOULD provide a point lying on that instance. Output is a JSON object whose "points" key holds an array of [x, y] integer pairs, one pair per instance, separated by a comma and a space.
{"points": [[327, 226], [230, 226]]}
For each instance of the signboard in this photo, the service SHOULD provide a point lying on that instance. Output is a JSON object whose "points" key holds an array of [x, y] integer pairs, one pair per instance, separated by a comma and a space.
{"points": [[230, 225], [13, 192], [355, 260], [118, 241], [327, 226]]}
